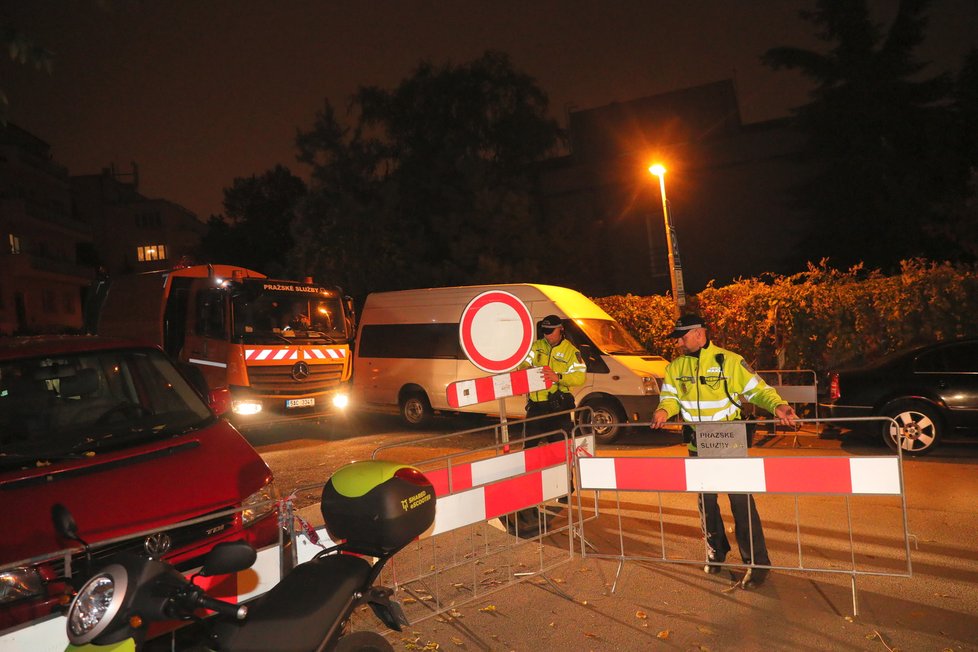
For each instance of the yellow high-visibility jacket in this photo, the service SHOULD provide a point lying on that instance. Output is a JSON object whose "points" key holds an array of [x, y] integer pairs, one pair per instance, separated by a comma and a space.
{"points": [[699, 388], [564, 359]]}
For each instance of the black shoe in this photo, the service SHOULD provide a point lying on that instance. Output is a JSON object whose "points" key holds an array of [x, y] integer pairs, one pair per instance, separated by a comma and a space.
{"points": [[754, 578]]}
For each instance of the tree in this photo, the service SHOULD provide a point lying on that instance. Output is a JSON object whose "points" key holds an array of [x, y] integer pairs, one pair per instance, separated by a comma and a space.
{"points": [[256, 229], [23, 50], [877, 131], [433, 184]]}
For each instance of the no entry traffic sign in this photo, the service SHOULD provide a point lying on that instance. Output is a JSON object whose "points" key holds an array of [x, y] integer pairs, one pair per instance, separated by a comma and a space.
{"points": [[496, 331]]}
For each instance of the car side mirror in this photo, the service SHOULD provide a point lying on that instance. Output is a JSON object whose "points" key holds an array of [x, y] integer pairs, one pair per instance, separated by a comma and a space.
{"points": [[219, 400], [228, 557]]}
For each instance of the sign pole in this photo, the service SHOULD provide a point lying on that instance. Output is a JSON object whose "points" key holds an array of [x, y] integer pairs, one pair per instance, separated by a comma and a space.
{"points": [[503, 426]]}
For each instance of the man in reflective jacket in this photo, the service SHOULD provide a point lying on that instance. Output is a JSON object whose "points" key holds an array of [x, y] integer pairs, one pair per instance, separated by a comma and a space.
{"points": [[707, 383], [565, 368]]}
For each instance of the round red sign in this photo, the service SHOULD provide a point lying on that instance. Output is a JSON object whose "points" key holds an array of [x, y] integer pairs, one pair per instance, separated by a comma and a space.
{"points": [[496, 331]]}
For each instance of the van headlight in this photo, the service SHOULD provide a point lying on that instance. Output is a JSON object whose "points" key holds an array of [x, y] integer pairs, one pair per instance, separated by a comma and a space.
{"points": [[650, 385], [20, 583], [259, 504], [96, 604]]}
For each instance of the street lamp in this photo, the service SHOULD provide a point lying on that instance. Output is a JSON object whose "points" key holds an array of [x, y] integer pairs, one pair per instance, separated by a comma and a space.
{"points": [[675, 266]]}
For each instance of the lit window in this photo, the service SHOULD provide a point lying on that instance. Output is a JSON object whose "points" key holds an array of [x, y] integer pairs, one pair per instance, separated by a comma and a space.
{"points": [[14, 244], [151, 252]]}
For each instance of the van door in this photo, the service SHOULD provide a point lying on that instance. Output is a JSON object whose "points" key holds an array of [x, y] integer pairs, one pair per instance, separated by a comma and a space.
{"points": [[206, 344]]}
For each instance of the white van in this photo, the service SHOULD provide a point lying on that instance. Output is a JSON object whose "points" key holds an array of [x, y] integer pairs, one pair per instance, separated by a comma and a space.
{"points": [[407, 353]]}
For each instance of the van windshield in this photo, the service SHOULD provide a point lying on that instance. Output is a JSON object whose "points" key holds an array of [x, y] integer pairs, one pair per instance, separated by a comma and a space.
{"points": [[610, 337], [265, 316], [79, 404]]}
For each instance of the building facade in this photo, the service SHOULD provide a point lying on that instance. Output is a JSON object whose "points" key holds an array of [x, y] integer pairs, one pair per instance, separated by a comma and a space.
{"points": [[133, 233], [46, 260], [728, 185]]}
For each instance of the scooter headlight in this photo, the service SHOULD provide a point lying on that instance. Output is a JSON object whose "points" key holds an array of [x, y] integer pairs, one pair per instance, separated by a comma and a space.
{"points": [[96, 604]]}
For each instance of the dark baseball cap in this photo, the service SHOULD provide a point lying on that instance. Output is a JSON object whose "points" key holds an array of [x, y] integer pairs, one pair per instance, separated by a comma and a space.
{"points": [[687, 323], [551, 322]]}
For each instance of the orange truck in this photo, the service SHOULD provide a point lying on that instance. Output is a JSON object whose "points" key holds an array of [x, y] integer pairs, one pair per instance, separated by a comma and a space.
{"points": [[281, 347]]}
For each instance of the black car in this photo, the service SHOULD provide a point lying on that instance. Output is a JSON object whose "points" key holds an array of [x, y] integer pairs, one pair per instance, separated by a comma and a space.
{"points": [[931, 391]]}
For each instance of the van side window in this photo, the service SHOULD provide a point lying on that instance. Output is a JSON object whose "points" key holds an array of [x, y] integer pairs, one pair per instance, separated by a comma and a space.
{"points": [[410, 341], [210, 314]]}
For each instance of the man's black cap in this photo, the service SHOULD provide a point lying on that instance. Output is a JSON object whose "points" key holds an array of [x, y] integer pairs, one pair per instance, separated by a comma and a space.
{"points": [[551, 322], [687, 323]]}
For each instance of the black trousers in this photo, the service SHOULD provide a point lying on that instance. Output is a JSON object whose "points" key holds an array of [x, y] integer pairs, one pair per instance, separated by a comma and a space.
{"points": [[556, 422], [747, 528]]}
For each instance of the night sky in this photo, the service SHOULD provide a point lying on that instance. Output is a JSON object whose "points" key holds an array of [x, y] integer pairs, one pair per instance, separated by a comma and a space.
{"points": [[198, 92]]}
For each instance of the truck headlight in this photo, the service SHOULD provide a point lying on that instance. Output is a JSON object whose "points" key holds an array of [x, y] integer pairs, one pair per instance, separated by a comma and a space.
{"points": [[341, 400], [97, 604], [258, 504], [650, 385], [246, 407], [20, 583]]}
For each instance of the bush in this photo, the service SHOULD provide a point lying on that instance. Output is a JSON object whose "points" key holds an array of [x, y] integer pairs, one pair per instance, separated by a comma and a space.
{"points": [[820, 318]]}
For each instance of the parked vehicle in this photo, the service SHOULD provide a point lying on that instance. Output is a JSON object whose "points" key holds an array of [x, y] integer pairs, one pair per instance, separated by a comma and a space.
{"points": [[408, 352], [930, 391], [113, 430], [376, 508], [281, 347]]}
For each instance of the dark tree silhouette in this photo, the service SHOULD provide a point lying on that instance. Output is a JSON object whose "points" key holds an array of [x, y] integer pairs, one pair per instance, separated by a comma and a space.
{"points": [[433, 183], [256, 231], [878, 132]]}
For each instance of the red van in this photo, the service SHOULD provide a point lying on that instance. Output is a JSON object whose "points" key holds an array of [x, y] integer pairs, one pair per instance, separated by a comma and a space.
{"points": [[113, 431]]}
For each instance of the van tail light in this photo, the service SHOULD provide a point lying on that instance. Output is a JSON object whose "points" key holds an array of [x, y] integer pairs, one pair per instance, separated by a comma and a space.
{"points": [[834, 392]]}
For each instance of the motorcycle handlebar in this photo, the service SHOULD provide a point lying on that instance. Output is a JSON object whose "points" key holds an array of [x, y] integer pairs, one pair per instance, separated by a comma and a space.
{"points": [[236, 611], [194, 598]]}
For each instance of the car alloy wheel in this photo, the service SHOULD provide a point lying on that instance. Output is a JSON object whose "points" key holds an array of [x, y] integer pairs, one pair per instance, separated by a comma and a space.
{"points": [[917, 430]]}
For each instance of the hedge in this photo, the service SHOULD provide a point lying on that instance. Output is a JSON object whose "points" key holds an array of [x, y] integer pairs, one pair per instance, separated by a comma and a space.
{"points": [[821, 318]]}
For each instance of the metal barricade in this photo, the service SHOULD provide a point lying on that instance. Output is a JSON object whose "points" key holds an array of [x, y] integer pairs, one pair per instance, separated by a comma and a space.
{"points": [[796, 494], [496, 505]]}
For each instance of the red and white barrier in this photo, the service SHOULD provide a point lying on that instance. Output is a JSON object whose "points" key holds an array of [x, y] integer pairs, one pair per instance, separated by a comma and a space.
{"points": [[784, 475], [470, 493], [490, 388]]}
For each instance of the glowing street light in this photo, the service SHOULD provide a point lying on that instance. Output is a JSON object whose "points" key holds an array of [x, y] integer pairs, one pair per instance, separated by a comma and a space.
{"points": [[672, 246]]}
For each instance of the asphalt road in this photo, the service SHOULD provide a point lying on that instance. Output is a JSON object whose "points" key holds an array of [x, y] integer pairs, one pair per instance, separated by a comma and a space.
{"points": [[677, 606]]}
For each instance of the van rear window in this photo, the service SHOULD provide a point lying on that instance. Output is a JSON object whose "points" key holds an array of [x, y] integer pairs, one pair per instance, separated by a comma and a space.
{"points": [[410, 341]]}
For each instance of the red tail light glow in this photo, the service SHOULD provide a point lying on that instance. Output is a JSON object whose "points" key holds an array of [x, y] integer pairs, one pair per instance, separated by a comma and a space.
{"points": [[834, 391]]}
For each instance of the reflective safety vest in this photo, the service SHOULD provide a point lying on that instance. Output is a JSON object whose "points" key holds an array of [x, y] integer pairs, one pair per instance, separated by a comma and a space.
{"points": [[700, 388], [564, 359]]}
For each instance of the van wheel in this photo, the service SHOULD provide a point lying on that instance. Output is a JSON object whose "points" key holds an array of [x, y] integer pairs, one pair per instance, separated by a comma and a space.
{"points": [[605, 419], [416, 410]]}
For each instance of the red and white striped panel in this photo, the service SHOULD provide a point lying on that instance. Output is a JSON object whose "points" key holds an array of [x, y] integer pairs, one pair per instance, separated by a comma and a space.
{"points": [[490, 388], [278, 354], [470, 493], [782, 475]]}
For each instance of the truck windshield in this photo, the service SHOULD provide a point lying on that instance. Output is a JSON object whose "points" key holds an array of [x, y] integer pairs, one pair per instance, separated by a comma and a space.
{"points": [[263, 316], [74, 405], [610, 337]]}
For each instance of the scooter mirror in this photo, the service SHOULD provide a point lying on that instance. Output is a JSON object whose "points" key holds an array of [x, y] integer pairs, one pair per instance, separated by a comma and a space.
{"points": [[228, 557]]}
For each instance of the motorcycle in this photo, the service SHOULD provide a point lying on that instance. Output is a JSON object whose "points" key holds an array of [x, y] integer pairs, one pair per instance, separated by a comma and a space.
{"points": [[375, 508]]}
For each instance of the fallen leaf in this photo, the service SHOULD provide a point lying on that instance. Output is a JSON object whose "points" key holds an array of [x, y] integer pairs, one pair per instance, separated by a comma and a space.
{"points": [[704, 630], [457, 641], [850, 619], [590, 635], [553, 625], [489, 608], [431, 645], [408, 600], [455, 613], [664, 634], [641, 615], [703, 648], [583, 569]]}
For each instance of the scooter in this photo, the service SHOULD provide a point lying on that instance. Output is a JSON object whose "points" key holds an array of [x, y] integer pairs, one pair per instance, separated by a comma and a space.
{"points": [[375, 508]]}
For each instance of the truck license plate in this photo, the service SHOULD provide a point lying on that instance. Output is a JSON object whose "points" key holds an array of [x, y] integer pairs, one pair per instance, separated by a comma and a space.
{"points": [[299, 402]]}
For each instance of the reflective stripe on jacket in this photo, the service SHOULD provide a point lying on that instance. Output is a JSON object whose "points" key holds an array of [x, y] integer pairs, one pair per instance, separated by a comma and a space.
{"points": [[694, 387], [564, 359]]}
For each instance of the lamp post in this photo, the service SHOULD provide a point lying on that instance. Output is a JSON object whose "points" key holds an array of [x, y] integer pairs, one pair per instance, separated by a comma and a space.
{"points": [[675, 266]]}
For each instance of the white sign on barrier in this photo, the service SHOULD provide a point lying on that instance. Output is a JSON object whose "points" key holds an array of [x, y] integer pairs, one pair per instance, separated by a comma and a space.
{"points": [[721, 439]]}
